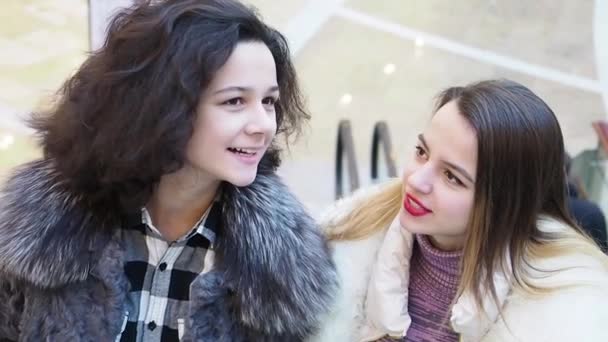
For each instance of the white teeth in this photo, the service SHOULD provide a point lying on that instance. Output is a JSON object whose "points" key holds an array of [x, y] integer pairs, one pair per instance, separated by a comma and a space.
{"points": [[415, 205], [241, 150]]}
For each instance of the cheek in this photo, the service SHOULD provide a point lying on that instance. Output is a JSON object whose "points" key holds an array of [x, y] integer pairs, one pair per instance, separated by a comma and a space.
{"points": [[273, 130], [206, 140], [201, 134], [458, 206]]}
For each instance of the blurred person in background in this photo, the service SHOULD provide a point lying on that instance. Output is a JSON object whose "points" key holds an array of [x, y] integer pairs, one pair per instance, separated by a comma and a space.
{"points": [[476, 242], [155, 213], [586, 213]]}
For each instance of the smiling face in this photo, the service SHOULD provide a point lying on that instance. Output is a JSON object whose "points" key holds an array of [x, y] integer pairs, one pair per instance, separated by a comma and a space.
{"points": [[236, 118], [439, 182]]}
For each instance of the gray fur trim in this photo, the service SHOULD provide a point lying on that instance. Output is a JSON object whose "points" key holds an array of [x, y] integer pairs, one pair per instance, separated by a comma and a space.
{"points": [[47, 237], [273, 278], [277, 272], [11, 305], [88, 311]]}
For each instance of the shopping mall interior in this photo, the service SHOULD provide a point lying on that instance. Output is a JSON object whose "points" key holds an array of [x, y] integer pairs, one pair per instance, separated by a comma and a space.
{"points": [[360, 62]]}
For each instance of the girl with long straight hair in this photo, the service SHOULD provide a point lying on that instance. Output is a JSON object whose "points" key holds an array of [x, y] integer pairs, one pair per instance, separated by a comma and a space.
{"points": [[475, 242]]}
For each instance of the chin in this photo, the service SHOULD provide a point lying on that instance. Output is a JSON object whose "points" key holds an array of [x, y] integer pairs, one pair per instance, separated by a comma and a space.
{"points": [[409, 224], [241, 180]]}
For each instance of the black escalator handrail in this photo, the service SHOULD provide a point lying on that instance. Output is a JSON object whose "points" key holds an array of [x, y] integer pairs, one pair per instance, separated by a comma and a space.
{"points": [[382, 136], [345, 147]]}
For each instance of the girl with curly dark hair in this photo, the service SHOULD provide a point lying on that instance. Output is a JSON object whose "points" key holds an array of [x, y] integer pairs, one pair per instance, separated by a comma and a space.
{"points": [[155, 213]]}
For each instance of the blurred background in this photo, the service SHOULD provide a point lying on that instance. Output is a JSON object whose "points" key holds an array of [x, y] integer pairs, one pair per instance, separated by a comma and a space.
{"points": [[360, 62]]}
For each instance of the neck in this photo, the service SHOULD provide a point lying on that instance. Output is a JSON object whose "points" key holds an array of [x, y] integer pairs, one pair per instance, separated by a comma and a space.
{"points": [[179, 201], [447, 243]]}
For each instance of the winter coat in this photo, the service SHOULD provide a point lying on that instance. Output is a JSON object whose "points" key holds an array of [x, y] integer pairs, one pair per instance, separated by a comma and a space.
{"points": [[374, 278], [62, 276]]}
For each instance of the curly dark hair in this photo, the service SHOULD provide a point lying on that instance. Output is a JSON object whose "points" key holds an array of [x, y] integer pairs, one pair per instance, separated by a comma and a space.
{"points": [[124, 118]]}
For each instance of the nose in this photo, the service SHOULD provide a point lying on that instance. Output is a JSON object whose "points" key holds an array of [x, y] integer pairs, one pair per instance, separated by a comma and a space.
{"points": [[261, 121], [420, 179]]}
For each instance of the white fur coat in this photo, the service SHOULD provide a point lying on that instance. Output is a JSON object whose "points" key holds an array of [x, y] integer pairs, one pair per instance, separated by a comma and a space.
{"points": [[373, 298]]}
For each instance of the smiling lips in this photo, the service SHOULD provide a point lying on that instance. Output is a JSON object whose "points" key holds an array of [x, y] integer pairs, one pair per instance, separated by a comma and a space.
{"points": [[246, 155], [245, 151], [414, 207]]}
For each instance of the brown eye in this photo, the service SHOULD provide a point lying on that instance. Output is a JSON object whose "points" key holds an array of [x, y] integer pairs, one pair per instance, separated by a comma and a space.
{"points": [[234, 102], [451, 177], [270, 101], [420, 152]]}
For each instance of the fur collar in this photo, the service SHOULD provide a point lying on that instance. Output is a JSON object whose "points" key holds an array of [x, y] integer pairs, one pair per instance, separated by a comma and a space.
{"points": [[47, 236], [270, 255]]}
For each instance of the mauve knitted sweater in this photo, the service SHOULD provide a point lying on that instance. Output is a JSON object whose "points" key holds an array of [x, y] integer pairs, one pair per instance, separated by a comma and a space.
{"points": [[434, 277]]}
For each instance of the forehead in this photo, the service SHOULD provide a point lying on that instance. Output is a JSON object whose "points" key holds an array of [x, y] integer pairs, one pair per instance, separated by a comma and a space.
{"points": [[451, 138], [250, 64]]}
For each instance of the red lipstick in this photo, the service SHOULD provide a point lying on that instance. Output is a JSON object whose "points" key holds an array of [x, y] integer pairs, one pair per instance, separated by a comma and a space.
{"points": [[414, 207]]}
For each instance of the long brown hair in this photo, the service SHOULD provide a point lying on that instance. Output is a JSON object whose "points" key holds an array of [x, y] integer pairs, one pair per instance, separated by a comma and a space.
{"points": [[520, 178], [521, 175]]}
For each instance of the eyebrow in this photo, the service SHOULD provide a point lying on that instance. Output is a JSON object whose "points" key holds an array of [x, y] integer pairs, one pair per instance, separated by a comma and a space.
{"points": [[460, 170], [243, 89]]}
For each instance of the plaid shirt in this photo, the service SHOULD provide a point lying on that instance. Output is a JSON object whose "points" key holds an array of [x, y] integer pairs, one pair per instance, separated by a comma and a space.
{"points": [[160, 274]]}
